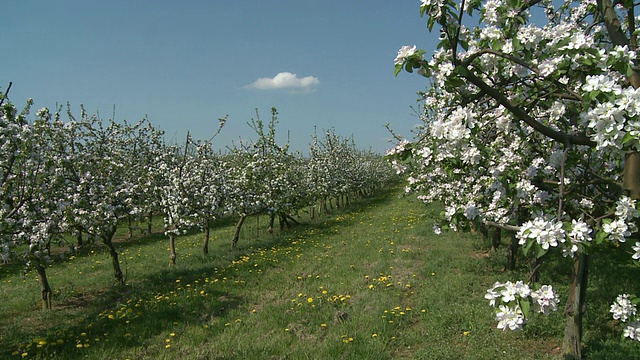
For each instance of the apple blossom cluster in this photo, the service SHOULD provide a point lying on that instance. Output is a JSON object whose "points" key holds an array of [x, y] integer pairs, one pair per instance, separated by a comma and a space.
{"points": [[548, 233], [625, 310], [514, 301]]}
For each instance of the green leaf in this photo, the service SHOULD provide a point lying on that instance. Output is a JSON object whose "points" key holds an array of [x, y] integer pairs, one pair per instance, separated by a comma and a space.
{"points": [[601, 236], [527, 246], [540, 252], [397, 69], [627, 137], [525, 307], [407, 67], [460, 70]]}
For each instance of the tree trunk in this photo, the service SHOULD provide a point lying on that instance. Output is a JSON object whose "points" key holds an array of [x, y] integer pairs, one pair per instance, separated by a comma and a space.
{"points": [[149, 222], [205, 245], [172, 249], [272, 218], [575, 309], [130, 226], [107, 240], [631, 175], [496, 237], [289, 217], [312, 212], [534, 268], [79, 237], [45, 289], [512, 251], [257, 226], [236, 235]]}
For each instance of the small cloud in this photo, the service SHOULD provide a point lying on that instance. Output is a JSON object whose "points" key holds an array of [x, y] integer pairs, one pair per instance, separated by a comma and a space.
{"points": [[285, 80]]}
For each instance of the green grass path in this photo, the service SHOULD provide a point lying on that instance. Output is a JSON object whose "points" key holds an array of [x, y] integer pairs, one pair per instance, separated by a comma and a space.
{"points": [[368, 282]]}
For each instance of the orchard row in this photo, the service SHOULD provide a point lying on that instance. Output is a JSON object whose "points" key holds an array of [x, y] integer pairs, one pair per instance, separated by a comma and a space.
{"points": [[89, 176]]}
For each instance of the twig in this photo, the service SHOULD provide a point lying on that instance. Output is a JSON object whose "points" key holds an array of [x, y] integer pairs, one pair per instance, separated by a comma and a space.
{"points": [[6, 93]]}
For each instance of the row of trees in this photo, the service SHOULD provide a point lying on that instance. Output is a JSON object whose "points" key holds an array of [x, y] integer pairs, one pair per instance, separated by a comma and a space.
{"points": [[531, 124], [89, 176]]}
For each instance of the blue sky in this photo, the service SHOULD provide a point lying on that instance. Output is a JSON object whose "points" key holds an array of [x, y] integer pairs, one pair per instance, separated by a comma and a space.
{"points": [[184, 64]]}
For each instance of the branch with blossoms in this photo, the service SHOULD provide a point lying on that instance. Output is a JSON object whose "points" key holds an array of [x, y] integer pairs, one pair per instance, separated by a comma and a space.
{"points": [[532, 127]]}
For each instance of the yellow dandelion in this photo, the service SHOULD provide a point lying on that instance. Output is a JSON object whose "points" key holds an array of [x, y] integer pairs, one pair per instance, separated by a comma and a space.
{"points": [[310, 300], [466, 333]]}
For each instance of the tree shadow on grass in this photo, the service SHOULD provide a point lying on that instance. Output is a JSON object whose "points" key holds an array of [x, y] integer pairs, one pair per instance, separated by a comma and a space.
{"points": [[113, 320], [124, 317]]}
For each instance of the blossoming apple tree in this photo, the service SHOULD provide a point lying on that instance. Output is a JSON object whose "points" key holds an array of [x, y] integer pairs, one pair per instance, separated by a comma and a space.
{"points": [[531, 123], [32, 214]]}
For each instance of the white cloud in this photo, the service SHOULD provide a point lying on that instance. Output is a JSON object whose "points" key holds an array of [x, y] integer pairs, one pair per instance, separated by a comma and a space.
{"points": [[285, 80]]}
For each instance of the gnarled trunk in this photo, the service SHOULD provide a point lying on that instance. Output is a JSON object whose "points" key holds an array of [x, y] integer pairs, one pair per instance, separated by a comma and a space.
{"points": [[45, 289], [236, 235], [107, 240]]}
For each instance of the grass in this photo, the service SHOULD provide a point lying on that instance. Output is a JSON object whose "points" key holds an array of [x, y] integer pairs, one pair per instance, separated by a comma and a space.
{"points": [[370, 281]]}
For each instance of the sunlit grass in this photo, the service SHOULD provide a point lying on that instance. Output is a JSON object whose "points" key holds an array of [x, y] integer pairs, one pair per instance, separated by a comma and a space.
{"points": [[367, 282]]}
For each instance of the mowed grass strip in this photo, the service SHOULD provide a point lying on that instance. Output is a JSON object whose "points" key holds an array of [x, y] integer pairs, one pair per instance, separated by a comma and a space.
{"points": [[370, 281]]}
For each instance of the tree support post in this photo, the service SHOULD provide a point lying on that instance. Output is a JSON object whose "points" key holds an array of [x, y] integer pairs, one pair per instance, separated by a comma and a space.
{"points": [[575, 309], [172, 250]]}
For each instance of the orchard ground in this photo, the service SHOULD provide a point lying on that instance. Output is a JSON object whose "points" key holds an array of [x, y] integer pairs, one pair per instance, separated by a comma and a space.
{"points": [[369, 281]]}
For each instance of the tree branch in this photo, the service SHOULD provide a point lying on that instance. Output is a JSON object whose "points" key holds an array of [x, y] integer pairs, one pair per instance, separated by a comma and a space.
{"points": [[524, 116], [6, 93], [502, 226]]}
